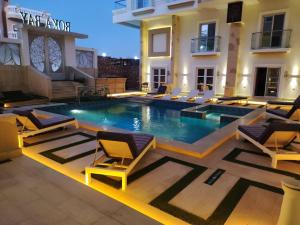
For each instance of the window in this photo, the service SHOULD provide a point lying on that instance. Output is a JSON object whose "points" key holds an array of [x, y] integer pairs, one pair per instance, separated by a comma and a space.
{"points": [[272, 30], [142, 4], [207, 32], [10, 54], [84, 59], [159, 77], [159, 42], [205, 79]]}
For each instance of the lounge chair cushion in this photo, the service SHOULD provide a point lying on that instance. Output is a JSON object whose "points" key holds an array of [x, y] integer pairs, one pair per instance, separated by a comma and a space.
{"points": [[297, 101], [278, 112], [43, 123], [136, 142], [261, 133], [279, 103], [141, 141], [161, 90], [30, 116], [256, 132], [235, 98]]}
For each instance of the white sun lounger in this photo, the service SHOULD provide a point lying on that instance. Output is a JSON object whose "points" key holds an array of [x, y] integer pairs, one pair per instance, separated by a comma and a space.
{"points": [[208, 95], [174, 94], [193, 94]]}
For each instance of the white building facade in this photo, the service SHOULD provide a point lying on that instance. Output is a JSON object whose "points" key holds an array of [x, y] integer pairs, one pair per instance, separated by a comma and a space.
{"points": [[192, 45]]}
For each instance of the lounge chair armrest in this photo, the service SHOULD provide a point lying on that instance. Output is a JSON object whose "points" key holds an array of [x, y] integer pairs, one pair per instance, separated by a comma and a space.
{"points": [[281, 126], [279, 103]]}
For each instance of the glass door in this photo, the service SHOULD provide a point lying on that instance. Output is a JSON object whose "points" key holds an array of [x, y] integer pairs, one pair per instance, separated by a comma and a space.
{"points": [[159, 77], [205, 79], [272, 82], [207, 32], [267, 82], [272, 32]]}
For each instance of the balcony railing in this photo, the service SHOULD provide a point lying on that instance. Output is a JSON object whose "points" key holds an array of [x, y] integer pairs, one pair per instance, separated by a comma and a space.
{"points": [[271, 40], [206, 44], [170, 1], [140, 4], [120, 4], [174, 1]]}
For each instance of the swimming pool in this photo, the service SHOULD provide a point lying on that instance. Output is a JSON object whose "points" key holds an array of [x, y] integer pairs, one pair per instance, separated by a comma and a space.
{"points": [[160, 118]]}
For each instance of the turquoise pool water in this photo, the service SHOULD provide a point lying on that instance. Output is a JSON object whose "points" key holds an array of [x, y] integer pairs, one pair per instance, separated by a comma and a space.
{"points": [[159, 118]]}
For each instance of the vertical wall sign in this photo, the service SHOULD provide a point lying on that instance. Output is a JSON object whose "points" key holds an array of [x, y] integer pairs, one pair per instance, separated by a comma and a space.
{"points": [[235, 12]]}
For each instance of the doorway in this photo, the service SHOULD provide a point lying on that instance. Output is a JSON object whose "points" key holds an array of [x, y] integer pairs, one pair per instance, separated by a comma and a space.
{"points": [[267, 82], [159, 76], [205, 79]]}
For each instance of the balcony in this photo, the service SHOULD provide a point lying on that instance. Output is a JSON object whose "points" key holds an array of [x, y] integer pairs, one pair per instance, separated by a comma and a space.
{"points": [[120, 4], [206, 46], [175, 4], [271, 42], [141, 7]]}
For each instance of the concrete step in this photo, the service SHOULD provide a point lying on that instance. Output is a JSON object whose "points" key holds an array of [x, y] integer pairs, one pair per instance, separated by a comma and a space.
{"points": [[64, 89]]}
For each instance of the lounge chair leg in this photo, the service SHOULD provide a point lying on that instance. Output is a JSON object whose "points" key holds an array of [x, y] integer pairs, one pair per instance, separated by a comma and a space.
{"points": [[124, 183], [21, 142], [264, 116], [154, 144], [88, 177], [76, 124], [237, 136], [274, 162]]}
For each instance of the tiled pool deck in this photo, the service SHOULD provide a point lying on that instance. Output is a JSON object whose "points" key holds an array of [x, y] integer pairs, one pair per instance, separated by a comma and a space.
{"points": [[176, 189], [233, 185], [33, 194]]}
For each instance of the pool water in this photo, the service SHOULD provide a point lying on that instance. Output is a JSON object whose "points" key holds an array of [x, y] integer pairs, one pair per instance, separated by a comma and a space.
{"points": [[160, 119]]}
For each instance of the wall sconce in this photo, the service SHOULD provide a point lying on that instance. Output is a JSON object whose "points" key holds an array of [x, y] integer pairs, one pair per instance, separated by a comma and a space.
{"points": [[245, 75], [219, 74], [185, 79], [287, 75]]}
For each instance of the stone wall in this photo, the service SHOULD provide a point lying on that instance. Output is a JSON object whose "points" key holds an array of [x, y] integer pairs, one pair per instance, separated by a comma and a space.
{"points": [[123, 68], [26, 79], [13, 78]]}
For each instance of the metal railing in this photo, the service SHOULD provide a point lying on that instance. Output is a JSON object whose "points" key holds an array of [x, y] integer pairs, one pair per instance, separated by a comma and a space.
{"points": [[139, 4], [170, 1], [91, 92], [206, 44], [79, 76], [120, 4], [271, 39]]}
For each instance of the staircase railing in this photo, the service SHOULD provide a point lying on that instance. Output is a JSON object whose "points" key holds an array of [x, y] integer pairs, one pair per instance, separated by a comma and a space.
{"points": [[77, 75], [91, 92]]}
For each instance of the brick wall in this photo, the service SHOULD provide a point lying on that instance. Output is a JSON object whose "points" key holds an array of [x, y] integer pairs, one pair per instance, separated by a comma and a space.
{"points": [[118, 67]]}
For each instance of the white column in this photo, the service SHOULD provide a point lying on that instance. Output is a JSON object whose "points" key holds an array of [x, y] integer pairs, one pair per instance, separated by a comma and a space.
{"points": [[1, 19], [290, 208]]}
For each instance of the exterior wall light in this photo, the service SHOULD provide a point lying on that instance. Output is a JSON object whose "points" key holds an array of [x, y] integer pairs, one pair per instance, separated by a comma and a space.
{"points": [[221, 75], [246, 75], [287, 75]]}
